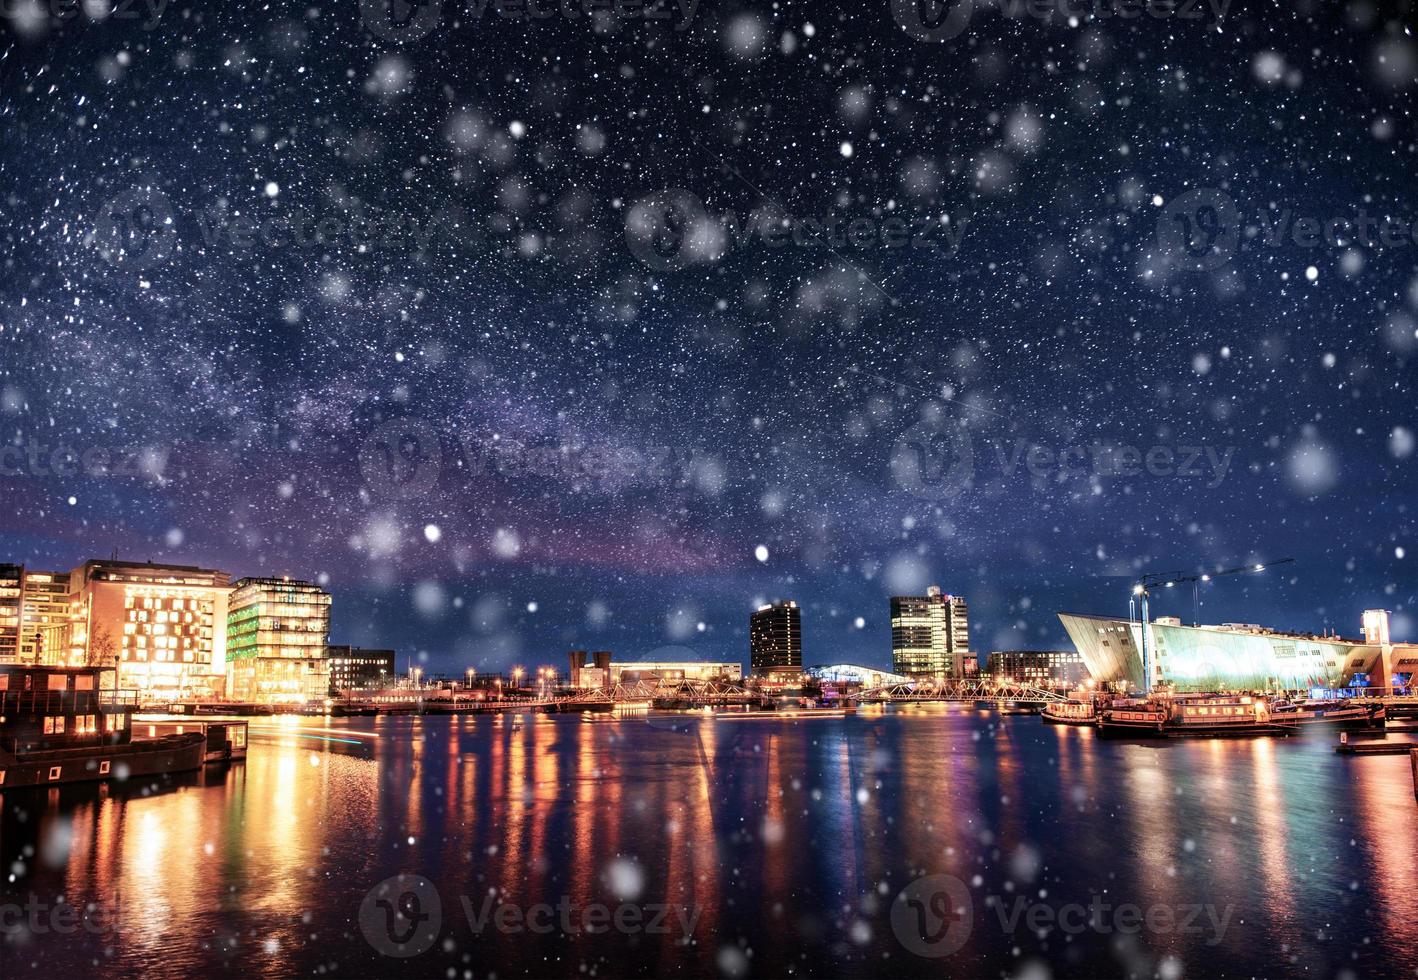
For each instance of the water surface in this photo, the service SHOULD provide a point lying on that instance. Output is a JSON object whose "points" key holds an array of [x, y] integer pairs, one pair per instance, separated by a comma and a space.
{"points": [[744, 847]]}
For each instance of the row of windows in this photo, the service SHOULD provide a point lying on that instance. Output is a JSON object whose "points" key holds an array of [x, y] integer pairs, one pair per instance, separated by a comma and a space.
{"points": [[83, 724]]}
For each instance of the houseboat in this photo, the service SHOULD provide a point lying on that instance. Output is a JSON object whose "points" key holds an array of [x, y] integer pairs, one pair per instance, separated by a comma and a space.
{"points": [[58, 725], [1345, 713], [1070, 713], [1191, 717]]}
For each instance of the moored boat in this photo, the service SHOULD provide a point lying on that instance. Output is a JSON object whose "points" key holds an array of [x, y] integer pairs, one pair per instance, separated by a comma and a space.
{"points": [[1346, 714], [1192, 717], [58, 725], [1070, 713]]}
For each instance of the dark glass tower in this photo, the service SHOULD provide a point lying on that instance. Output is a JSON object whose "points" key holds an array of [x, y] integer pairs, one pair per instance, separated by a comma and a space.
{"points": [[775, 639]]}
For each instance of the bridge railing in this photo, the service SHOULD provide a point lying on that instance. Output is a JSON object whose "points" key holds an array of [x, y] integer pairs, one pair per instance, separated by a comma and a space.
{"points": [[957, 691]]}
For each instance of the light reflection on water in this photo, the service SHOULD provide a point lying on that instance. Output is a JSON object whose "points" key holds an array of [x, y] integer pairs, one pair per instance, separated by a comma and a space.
{"points": [[782, 842]]}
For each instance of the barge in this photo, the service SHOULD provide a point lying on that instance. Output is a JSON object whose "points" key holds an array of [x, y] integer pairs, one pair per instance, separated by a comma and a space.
{"points": [[1070, 713], [58, 725], [1191, 717]]}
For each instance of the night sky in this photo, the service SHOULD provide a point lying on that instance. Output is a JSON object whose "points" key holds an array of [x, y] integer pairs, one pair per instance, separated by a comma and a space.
{"points": [[524, 335]]}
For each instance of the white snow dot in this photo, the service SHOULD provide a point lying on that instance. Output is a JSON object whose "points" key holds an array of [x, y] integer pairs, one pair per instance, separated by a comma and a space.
{"points": [[1312, 273], [433, 533], [761, 553], [1401, 442], [845, 149], [626, 879], [273, 189]]}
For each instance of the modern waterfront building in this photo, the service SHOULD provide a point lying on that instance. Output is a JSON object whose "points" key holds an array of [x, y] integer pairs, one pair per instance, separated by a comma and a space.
{"points": [[277, 630], [855, 675], [34, 605], [1238, 656], [1039, 668], [358, 669], [675, 670], [930, 635], [601, 671], [775, 639], [12, 584], [163, 625]]}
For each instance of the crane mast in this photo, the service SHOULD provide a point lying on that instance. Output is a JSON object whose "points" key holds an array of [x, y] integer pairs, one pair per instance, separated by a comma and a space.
{"points": [[1143, 591]]}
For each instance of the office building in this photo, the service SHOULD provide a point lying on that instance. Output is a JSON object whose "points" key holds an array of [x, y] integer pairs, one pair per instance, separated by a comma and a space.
{"points": [[930, 635], [277, 630], [163, 625], [775, 640], [359, 669], [12, 584], [34, 609], [1039, 668]]}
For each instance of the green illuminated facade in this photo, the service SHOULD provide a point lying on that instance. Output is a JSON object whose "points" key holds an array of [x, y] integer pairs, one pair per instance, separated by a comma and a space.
{"points": [[277, 641]]}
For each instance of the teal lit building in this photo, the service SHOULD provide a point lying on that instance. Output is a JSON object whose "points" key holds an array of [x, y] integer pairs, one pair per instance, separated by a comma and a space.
{"points": [[1236, 657]]}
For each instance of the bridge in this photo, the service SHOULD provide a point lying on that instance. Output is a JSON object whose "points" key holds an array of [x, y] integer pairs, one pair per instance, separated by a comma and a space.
{"points": [[958, 691], [689, 694]]}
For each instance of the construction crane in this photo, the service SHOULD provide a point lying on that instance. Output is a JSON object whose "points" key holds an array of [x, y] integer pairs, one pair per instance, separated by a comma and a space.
{"points": [[1143, 591]]}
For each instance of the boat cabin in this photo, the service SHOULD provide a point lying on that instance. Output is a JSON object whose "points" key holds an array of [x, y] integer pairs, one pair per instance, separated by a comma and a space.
{"points": [[47, 707]]}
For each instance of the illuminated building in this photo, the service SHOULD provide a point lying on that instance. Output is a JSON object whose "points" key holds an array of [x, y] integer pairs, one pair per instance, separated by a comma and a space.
{"points": [[601, 671], [1238, 656], [164, 625], [855, 675], [930, 635], [277, 630], [775, 639], [358, 669], [32, 606], [12, 581], [674, 670], [1039, 668]]}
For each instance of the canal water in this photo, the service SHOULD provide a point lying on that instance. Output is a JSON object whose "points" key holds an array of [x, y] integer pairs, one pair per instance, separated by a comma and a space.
{"points": [[897, 843]]}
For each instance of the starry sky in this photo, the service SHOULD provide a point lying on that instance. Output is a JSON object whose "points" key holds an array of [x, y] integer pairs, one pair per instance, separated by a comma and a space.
{"points": [[529, 333]]}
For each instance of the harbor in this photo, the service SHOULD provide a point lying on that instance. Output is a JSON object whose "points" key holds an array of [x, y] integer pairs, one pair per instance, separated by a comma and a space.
{"points": [[730, 817]]}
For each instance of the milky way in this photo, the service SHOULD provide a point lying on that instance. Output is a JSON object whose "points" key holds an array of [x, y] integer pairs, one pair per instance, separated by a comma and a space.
{"points": [[526, 333]]}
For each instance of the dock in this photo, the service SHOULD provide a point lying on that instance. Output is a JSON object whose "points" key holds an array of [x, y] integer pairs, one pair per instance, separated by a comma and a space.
{"points": [[1376, 743]]}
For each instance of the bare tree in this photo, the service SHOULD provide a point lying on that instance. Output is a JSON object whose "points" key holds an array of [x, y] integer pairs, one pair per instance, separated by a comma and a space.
{"points": [[101, 650]]}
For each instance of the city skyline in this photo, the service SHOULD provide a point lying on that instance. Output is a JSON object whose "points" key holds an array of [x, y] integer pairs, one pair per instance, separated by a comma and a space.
{"points": [[872, 645]]}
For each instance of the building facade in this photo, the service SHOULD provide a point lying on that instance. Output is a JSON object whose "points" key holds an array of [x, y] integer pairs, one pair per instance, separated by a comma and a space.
{"points": [[1039, 668], [34, 610], [854, 675], [775, 639], [930, 635], [358, 669], [277, 631], [12, 584], [164, 626], [1239, 656]]}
